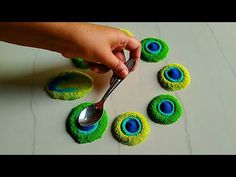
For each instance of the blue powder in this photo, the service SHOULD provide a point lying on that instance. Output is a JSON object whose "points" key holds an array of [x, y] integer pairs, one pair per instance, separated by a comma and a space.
{"points": [[54, 84], [85, 128], [153, 46], [174, 73], [166, 107], [132, 126]]}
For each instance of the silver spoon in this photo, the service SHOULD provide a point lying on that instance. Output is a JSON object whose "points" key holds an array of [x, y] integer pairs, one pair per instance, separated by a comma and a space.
{"points": [[93, 113]]}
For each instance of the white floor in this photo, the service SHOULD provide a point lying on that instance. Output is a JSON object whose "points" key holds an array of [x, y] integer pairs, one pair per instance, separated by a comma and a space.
{"points": [[33, 123]]}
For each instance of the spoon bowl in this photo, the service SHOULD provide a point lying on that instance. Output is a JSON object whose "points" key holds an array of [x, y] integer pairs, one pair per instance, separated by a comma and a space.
{"points": [[93, 113], [90, 115]]}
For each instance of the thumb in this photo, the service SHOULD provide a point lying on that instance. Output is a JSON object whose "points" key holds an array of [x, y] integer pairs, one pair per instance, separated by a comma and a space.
{"points": [[115, 64]]}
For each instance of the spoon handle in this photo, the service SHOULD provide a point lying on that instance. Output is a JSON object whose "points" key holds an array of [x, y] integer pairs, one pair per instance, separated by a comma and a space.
{"points": [[117, 80]]}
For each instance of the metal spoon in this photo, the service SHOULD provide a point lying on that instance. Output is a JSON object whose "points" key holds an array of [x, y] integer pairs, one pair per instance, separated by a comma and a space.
{"points": [[93, 113]]}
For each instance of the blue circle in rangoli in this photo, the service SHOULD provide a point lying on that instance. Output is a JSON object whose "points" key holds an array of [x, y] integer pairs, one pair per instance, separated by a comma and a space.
{"points": [[131, 126], [54, 84], [153, 46], [166, 107], [174, 74], [85, 128], [88, 129]]}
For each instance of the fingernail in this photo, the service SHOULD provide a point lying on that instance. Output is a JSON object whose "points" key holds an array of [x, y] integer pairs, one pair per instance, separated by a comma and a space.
{"points": [[124, 73]]}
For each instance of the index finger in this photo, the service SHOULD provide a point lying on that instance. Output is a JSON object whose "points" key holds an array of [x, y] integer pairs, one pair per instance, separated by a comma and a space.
{"points": [[134, 47]]}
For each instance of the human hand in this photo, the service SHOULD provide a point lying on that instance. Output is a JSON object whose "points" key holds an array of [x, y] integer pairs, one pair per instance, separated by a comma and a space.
{"points": [[102, 47]]}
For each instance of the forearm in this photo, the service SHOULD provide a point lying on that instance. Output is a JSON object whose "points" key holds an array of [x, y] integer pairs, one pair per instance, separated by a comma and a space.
{"points": [[50, 36], [94, 43]]}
